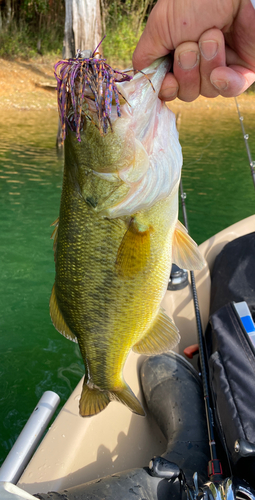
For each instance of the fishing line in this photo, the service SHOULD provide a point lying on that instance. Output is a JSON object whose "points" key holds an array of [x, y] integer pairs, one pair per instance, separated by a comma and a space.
{"points": [[201, 156], [246, 137]]}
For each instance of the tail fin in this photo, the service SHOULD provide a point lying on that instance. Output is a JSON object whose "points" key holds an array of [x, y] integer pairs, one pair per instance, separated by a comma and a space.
{"points": [[94, 400], [127, 397]]}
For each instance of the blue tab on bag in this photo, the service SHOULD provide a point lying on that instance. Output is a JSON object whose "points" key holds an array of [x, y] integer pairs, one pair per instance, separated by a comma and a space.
{"points": [[244, 314], [248, 324]]}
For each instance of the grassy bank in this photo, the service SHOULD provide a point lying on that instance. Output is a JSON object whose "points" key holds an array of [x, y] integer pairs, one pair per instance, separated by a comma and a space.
{"points": [[21, 42]]}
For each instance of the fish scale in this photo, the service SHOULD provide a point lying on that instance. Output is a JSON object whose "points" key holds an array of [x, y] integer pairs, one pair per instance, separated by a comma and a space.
{"points": [[99, 284], [113, 264]]}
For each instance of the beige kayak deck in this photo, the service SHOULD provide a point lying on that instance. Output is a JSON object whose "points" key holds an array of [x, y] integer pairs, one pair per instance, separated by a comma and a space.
{"points": [[76, 450]]}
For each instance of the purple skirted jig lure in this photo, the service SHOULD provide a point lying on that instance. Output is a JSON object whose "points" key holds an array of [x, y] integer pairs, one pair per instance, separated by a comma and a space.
{"points": [[85, 81]]}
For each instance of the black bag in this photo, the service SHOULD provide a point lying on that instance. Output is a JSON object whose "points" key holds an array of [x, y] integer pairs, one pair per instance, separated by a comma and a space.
{"points": [[233, 275], [231, 354]]}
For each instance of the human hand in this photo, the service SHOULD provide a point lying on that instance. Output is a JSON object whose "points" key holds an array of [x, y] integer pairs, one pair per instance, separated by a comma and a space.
{"points": [[213, 43]]}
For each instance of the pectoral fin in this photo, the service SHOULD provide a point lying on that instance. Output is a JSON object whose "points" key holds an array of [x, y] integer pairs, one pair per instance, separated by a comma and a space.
{"points": [[162, 336], [57, 318], [185, 251], [134, 250]]}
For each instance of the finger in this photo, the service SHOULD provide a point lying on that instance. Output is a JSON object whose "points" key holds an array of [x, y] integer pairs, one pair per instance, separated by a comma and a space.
{"points": [[155, 41], [186, 70], [232, 81], [169, 88], [212, 55], [171, 23]]}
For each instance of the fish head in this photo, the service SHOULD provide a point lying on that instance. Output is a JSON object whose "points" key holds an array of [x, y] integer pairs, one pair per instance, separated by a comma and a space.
{"points": [[140, 146], [102, 153]]}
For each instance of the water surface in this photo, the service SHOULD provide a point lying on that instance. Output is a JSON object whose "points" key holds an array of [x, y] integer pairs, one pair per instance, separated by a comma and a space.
{"points": [[34, 357]]}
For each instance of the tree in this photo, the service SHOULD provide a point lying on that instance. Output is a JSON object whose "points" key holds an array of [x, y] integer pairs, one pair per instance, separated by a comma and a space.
{"points": [[82, 26], [82, 31]]}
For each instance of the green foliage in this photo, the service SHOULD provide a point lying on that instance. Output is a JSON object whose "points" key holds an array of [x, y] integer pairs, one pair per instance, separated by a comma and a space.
{"points": [[29, 27], [52, 40], [16, 42], [31, 9], [123, 22], [120, 42], [23, 42], [32, 26], [251, 89]]}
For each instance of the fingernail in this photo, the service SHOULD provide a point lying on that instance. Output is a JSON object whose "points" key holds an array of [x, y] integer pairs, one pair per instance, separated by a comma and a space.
{"points": [[188, 60], [168, 94], [220, 84], [209, 49]]}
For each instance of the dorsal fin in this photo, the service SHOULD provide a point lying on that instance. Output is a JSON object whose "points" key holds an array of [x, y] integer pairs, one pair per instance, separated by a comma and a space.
{"points": [[57, 318], [54, 236]]}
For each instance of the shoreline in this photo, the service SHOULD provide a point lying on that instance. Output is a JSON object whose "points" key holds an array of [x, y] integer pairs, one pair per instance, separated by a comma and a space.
{"points": [[30, 85], [27, 85]]}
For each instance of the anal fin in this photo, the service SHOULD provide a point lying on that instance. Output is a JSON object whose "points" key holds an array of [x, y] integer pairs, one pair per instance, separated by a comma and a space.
{"points": [[127, 397], [57, 318], [162, 336], [185, 251]]}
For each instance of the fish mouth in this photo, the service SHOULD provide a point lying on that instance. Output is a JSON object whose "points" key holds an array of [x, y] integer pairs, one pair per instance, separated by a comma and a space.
{"points": [[87, 83], [89, 111], [91, 88]]}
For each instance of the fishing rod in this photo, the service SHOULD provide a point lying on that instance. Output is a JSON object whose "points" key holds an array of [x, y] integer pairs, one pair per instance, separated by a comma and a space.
{"points": [[214, 465], [246, 137]]}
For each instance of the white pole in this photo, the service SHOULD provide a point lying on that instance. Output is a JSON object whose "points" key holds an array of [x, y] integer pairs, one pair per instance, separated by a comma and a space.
{"points": [[29, 438]]}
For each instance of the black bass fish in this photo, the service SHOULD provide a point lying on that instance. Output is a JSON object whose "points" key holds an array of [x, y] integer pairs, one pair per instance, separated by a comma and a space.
{"points": [[117, 233]]}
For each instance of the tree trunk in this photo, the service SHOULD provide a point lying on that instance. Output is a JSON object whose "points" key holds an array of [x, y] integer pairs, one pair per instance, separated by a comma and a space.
{"points": [[82, 26], [82, 31], [68, 46], [8, 12]]}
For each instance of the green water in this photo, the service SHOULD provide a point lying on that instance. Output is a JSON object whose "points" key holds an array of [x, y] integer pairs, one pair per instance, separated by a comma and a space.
{"points": [[34, 357]]}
